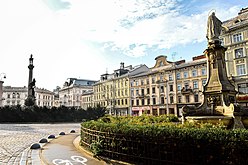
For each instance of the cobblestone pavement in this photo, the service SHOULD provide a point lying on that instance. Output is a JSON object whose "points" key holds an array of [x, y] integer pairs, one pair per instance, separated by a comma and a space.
{"points": [[15, 138]]}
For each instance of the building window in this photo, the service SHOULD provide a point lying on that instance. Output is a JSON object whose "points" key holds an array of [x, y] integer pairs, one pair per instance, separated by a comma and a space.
{"points": [[178, 76], [196, 97], [203, 71], [237, 37], [153, 101], [179, 99], [147, 81], [162, 100], [243, 88], [179, 87], [240, 69], [148, 101], [171, 88], [171, 99], [131, 84], [137, 92], [185, 74], [137, 102], [195, 84], [187, 98], [186, 85], [194, 73], [132, 93], [153, 89], [148, 90], [142, 92], [142, 82], [170, 77], [137, 82], [8, 96], [161, 78], [153, 80], [13, 95], [162, 89], [132, 102], [142, 102], [239, 53]]}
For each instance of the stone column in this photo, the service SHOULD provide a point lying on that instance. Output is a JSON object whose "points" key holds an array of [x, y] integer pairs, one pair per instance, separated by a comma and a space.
{"points": [[1, 93]]}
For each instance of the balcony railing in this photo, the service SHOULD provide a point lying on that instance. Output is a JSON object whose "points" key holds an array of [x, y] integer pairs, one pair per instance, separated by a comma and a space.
{"points": [[186, 91]]}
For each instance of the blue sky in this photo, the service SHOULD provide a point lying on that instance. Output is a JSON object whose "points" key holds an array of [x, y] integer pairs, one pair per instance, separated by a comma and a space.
{"points": [[84, 38]]}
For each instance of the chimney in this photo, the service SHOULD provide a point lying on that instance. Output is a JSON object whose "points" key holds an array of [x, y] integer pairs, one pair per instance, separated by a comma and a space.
{"points": [[122, 65]]}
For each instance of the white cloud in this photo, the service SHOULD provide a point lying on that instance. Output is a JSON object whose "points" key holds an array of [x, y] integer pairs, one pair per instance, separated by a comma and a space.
{"points": [[61, 34]]}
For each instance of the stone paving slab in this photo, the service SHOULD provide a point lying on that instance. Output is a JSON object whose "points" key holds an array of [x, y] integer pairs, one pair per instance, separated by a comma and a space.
{"points": [[62, 151], [16, 138]]}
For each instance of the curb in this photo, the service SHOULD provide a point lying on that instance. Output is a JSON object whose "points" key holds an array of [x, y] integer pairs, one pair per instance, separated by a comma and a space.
{"points": [[76, 143]]}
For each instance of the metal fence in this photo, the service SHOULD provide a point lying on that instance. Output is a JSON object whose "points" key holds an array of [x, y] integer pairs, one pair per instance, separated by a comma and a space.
{"points": [[163, 150]]}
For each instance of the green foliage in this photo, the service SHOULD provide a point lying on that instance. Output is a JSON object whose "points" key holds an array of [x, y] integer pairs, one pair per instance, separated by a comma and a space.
{"points": [[30, 101], [45, 114], [96, 147], [213, 144]]}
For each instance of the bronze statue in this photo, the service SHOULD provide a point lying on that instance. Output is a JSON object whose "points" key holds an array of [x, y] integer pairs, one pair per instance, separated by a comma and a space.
{"points": [[214, 27], [32, 86]]}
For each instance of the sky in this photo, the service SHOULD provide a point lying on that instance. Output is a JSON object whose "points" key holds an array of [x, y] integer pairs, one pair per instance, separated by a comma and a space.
{"points": [[86, 38]]}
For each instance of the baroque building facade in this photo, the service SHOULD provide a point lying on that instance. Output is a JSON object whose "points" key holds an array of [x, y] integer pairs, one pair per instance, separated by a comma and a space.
{"points": [[235, 39], [70, 94], [17, 95], [113, 90], [168, 86], [87, 100]]}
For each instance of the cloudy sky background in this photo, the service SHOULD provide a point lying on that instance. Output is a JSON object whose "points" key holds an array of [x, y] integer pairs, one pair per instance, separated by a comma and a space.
{"points": [[86, 38]]}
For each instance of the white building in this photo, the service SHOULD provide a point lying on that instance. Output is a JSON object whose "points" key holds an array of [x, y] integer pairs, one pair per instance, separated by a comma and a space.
{"points": [[17, 96], [70, 94]]}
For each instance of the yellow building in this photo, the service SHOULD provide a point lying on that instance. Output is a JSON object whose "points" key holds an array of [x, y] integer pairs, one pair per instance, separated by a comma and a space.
{"points": [[87, 100], [235, 39], [112, 91]]}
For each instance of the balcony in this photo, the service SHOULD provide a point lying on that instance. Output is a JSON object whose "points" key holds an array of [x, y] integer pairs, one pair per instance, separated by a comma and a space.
{"points": [[140, 95], [185, 91]]}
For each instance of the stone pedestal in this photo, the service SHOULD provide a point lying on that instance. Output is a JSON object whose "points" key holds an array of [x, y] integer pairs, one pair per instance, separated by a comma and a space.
{"points": [[219, 93]]}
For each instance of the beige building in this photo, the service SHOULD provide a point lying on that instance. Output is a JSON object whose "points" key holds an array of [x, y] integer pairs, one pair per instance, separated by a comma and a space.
{"points": [[87, 100], [18, 95], [70, 94], [235, 39], [112, 91], [168, 86]]}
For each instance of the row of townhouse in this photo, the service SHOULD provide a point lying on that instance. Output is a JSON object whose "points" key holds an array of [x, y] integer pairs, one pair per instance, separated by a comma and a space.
{"points": [[235, 39], [162, 89], [17, 95]]}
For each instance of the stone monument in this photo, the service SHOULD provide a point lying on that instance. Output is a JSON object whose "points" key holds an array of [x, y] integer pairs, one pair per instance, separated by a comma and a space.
{"points": [[30, 101], [219, 93]]}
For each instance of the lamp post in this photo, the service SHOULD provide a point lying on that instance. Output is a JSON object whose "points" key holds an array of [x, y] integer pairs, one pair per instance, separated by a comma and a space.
{"points": [[167, 98], [2, 75]]}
